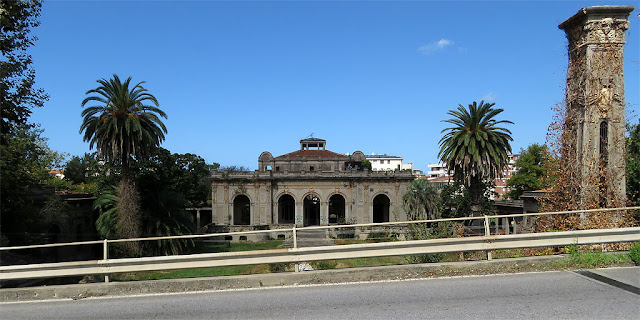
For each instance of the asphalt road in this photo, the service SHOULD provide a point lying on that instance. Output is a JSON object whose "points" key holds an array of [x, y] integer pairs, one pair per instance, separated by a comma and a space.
{"points": [[549, 295]]}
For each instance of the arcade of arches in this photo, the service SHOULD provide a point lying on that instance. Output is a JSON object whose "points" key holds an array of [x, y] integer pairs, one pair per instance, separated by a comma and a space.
{"points": [[311, 208]]}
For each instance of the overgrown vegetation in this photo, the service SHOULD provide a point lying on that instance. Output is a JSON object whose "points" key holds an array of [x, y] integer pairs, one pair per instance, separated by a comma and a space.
{"points": [[25, 161], [425, 231]]}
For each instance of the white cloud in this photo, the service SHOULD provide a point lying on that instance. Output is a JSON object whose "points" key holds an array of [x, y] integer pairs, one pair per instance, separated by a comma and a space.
{"points": [[435, 46], [489, 97]]}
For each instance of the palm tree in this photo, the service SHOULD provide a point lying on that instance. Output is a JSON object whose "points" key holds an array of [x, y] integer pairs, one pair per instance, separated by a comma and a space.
{"points": [[422, 200], [475, 148], [123, 125]]}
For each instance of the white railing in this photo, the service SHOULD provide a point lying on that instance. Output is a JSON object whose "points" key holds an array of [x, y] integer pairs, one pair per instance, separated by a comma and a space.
{"points": [[296, 254]]}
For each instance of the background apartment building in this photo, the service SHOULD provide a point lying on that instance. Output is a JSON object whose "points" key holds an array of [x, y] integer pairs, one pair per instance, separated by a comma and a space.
{"points": [[439, 173]]}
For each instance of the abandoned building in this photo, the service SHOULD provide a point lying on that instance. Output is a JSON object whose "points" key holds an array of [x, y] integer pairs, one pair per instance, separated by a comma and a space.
{"points": [[310, 186]]}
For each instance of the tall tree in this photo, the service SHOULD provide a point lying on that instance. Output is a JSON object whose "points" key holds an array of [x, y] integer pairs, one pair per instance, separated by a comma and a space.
{"points": [[123, 124], [17, 78], [475, 148], [530, 166]]}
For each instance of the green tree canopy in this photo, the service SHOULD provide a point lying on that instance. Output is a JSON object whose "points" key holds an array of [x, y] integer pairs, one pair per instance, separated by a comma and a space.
{"points": [[81, 169], [475, 148], [530, 166], [17, 78], [184, 174], [633, 164], [122, 124]]}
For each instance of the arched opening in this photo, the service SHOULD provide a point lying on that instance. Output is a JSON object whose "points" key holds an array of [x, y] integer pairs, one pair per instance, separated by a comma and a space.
{"points": [[381, 204], [286, 209], [205, 218], [311, 210], [336, 209], [241, 210], [604, 162], [604, 143]]}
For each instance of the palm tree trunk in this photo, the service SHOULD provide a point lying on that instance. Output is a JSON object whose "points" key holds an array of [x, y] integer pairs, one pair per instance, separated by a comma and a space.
{"points": [[128, 207], [475, 191]]}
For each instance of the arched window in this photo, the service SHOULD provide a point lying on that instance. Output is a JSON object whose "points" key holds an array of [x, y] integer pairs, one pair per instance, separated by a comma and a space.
{"points": [[286, 209], [311, 210], [336, 209], [381, 204], [241, 210], [604, 143]]}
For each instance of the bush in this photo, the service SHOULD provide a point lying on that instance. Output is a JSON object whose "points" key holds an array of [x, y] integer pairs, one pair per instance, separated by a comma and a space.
{"points": [[425, 258], [634, 252], [278, 267], [325, 264]]}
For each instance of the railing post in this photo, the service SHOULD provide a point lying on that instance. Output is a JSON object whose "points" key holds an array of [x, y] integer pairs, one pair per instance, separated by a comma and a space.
{"points": [[487, 232], [295, 246], [295, 238], [105, 256]]}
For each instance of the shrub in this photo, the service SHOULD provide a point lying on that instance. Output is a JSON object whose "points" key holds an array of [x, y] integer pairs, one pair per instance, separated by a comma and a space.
{"points": [[325, 264], [634, 252], [425, 258], [278, 267]]}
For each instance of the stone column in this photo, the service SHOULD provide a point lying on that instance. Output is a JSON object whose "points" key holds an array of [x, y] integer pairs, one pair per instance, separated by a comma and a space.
{"points": [[299, 214], [324, 213], [595, 101]]}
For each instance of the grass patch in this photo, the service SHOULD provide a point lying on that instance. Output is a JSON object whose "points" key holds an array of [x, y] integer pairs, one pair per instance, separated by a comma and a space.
{"points": [[208, 247], [593, 259], [213, 247], [190, 273]]}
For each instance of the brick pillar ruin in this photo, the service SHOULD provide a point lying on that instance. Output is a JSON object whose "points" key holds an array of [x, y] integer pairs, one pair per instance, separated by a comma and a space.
{"points": [[595, 120]]}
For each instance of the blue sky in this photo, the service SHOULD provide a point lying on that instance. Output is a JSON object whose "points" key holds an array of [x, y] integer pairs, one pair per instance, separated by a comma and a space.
{"points": [[238, 78]]}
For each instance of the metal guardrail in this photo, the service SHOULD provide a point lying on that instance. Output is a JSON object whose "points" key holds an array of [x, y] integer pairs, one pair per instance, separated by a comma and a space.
{"points": [[296, 254]]}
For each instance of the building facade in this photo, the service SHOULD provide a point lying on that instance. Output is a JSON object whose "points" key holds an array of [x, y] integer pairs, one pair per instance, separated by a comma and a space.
{"points": [[310, 186], [385, 162]]}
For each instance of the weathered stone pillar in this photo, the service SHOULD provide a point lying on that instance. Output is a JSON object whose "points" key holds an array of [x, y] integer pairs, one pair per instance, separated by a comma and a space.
{"points": [[595, 101], [324, 213], [299, 214]]}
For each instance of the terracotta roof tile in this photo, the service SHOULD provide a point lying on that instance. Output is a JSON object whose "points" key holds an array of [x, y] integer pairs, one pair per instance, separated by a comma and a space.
{"points": [[69, 193], [441, 179], [311, 154]]}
